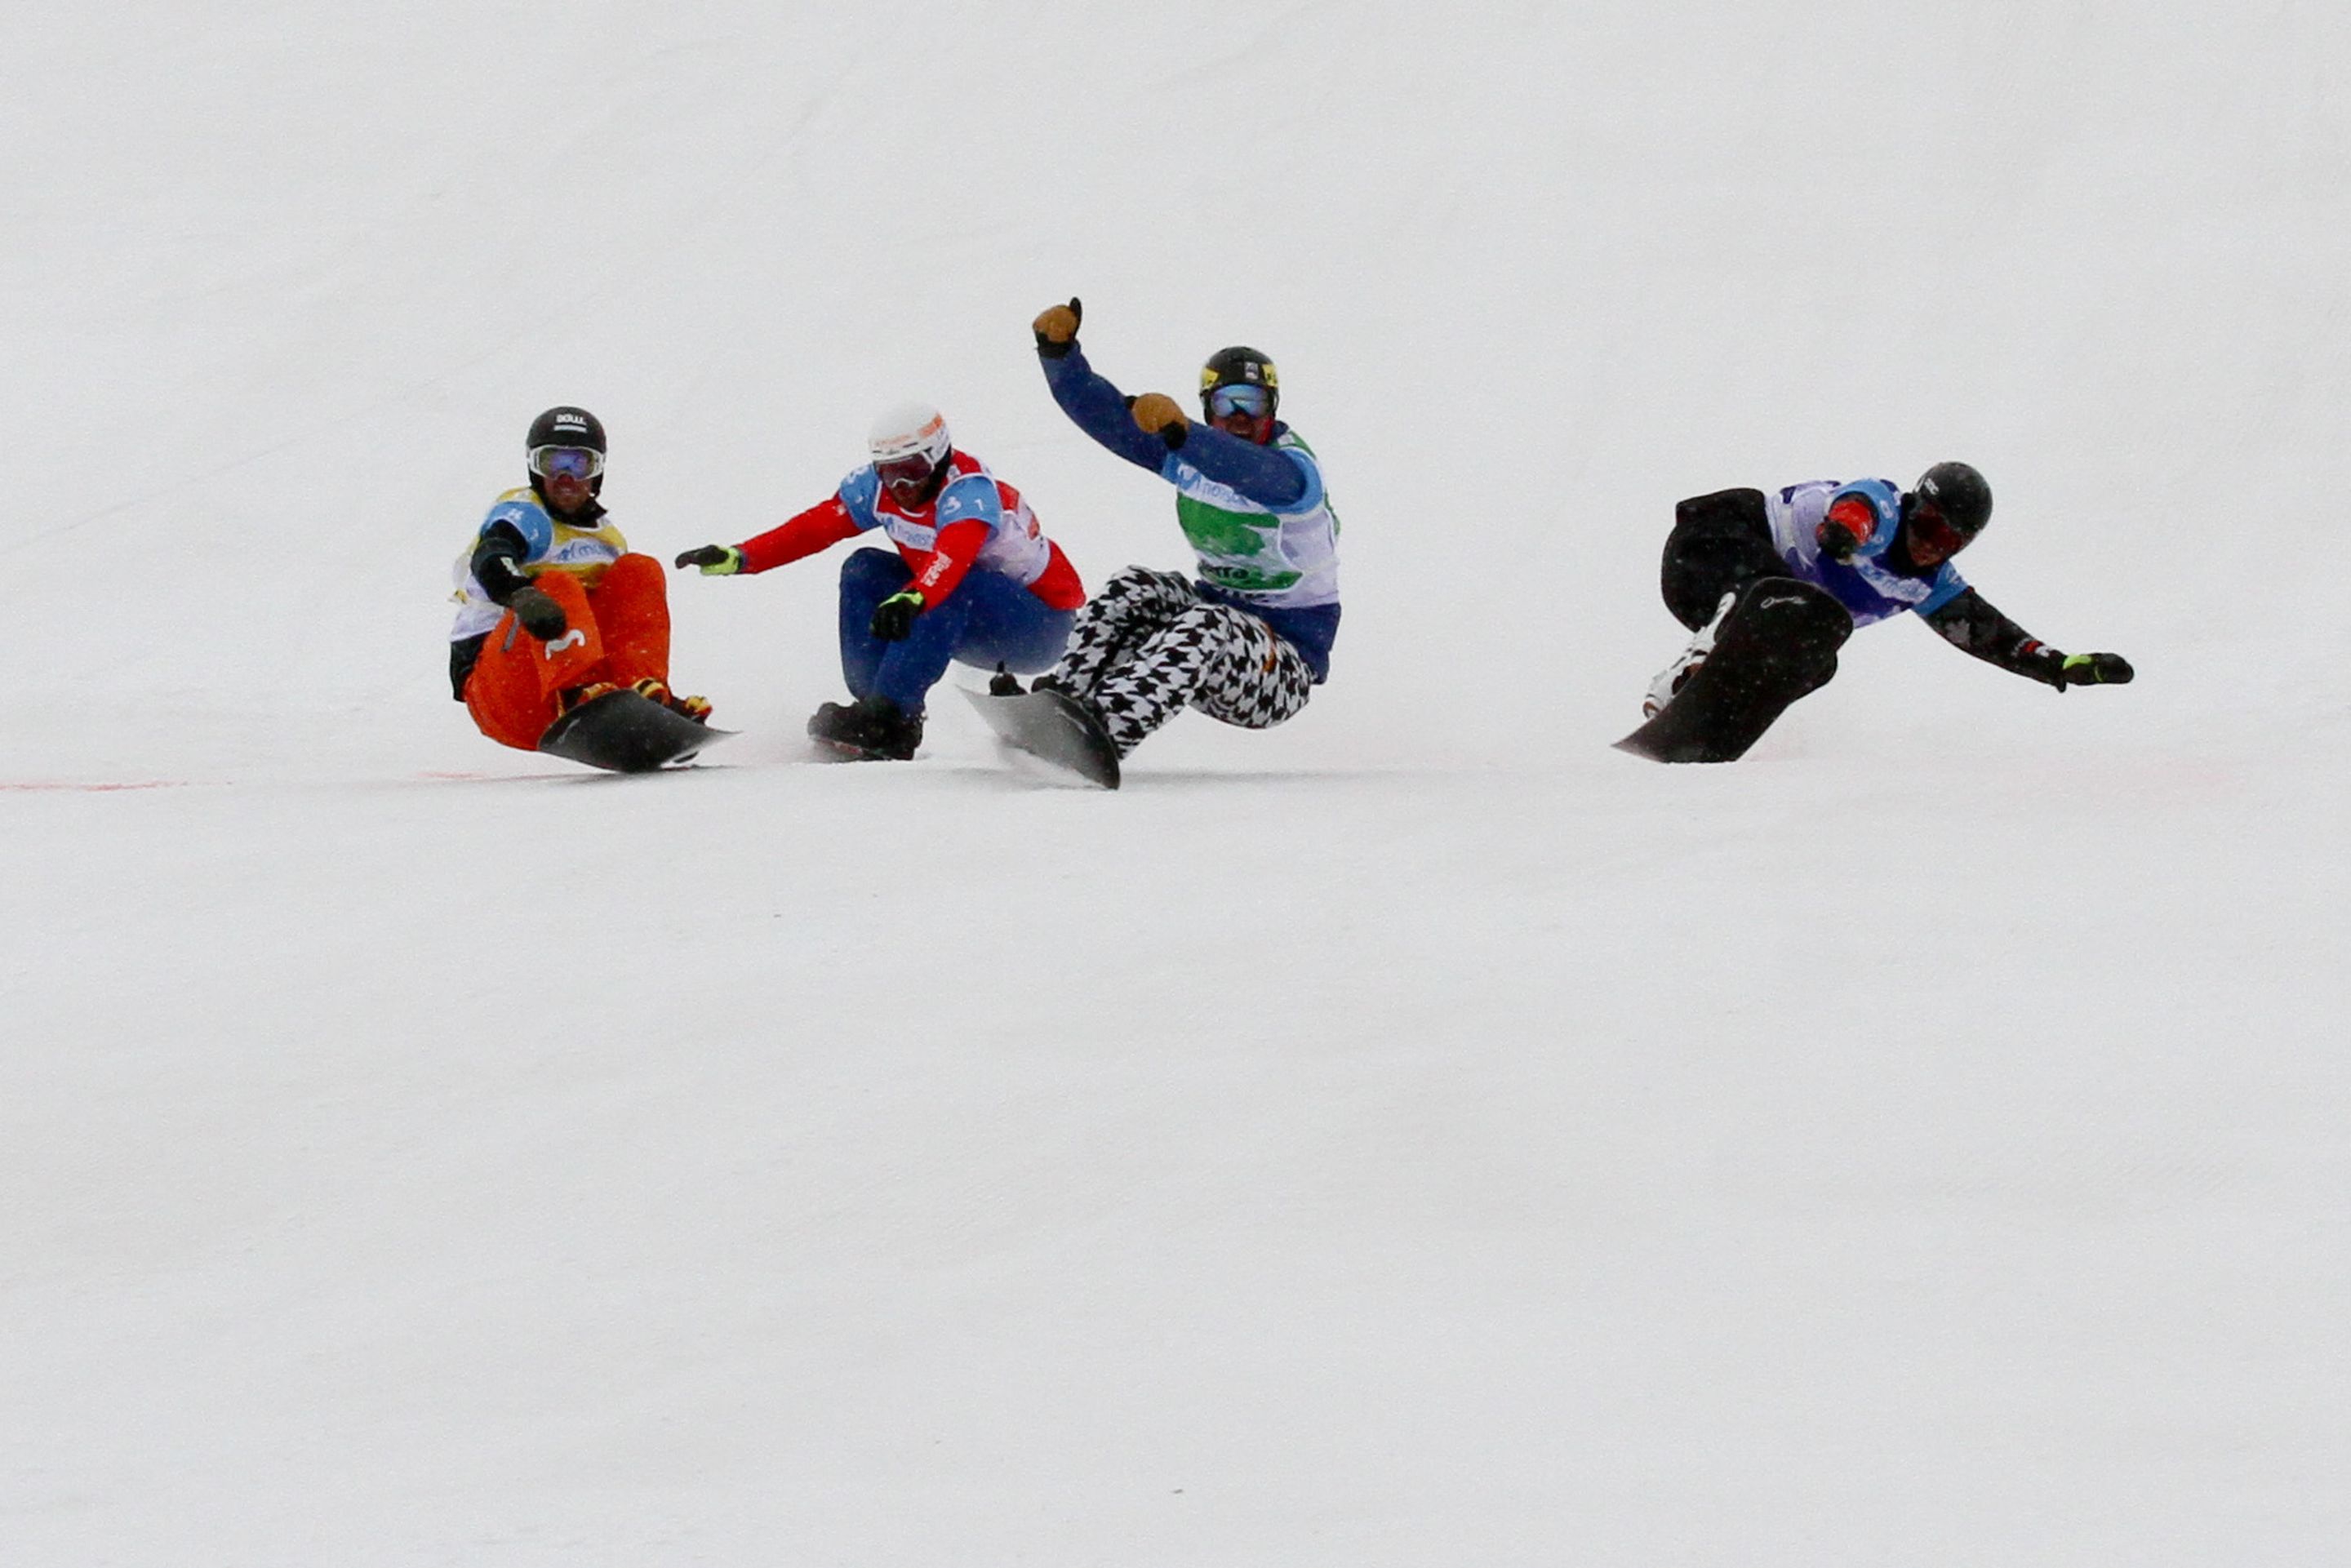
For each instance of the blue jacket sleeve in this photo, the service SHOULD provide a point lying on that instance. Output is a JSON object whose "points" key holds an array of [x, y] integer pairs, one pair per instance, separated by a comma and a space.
{"points": [[1276, 480], [1099, 408], [1272, 479]]}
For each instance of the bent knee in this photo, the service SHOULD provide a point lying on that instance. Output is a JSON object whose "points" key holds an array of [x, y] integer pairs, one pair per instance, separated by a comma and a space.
{"points": [[873, 568], [1735, 509], [1135, 580], [635, 573]]}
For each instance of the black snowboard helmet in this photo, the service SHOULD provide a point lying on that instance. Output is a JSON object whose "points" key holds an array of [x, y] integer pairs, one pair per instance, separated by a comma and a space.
{"points": [[1240, 366], [565, 426], [1959, 497]]}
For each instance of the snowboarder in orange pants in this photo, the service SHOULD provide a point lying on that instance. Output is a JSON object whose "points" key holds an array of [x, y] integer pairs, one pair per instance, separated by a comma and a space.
{"points": [[554, 608], [614, 634]]}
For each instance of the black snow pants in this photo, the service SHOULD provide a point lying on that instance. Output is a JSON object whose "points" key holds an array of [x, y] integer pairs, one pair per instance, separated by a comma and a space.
{"points": [[1720, 543]]}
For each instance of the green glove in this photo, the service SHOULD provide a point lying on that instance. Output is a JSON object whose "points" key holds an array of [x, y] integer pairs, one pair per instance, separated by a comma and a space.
{"points": [[894, 617], [2095, 670], [716, 560]]}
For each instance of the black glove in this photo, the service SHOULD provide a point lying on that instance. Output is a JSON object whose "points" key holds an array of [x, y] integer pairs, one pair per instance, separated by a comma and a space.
{"points": [[540, 615], [716, 560], [1837, 541], [894, 617], [2094, 670], [1057, 328]]}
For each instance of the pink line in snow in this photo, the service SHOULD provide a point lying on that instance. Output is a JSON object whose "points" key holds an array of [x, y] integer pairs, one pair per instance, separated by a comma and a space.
{"points": [[102, 788]]}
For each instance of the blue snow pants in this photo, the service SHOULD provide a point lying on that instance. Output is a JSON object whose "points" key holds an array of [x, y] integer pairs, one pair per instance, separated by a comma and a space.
{"points": [[989, 620]]}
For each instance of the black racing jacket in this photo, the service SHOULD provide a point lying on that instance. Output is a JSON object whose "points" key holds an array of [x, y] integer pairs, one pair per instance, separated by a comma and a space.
{"points": [[1970, 624]]}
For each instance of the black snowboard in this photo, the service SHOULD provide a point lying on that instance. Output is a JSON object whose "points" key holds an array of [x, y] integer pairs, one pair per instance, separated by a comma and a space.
{"points": [[627, 733], [1778, 643], [1054, 729]]}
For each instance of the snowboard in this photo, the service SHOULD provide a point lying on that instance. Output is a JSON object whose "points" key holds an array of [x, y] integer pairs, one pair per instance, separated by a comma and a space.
{"points": [[825, 749], [1778, 643], [625, 732], [1050, 727]]}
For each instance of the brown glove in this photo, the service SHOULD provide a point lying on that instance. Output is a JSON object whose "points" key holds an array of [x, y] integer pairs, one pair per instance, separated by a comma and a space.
{"points": [[1157, 414], [1057, 328]]}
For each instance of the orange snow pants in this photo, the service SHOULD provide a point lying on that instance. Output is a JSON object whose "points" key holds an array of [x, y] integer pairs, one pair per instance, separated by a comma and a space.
{"points": [[617, 631]]}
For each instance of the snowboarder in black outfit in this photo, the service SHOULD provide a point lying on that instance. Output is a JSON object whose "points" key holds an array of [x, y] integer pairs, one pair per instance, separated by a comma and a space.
{"points": [[1735, 559]]}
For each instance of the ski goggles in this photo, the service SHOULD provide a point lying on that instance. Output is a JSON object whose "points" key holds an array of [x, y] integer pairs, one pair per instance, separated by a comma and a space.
{"points": [[1931, 528], [578, 462], [912, 469], [1226, 402]]}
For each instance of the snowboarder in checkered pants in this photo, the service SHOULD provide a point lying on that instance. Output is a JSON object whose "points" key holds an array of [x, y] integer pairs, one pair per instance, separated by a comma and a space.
{"points": [[1149, 644], [1248, 640]]}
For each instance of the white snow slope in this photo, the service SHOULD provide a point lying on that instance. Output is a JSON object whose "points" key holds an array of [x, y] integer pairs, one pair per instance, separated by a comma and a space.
{"points": [[1417, 1135]]}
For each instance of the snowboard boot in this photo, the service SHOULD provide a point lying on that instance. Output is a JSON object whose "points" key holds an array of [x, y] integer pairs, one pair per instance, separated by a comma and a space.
{"points": [[1675, 675], [1003, 684], [576, 696], [872, 729], [695, 708]]}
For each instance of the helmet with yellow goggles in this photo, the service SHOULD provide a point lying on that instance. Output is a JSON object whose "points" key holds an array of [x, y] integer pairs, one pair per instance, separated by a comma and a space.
{"points": [[1242, 377]]}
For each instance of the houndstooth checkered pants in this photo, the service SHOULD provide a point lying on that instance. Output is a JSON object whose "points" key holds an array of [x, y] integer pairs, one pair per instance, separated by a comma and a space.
{"points": [[1148, 644]]}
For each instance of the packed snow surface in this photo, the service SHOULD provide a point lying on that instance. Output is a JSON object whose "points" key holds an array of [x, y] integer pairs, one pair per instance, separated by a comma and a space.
{"points": [[1417, 1135]]}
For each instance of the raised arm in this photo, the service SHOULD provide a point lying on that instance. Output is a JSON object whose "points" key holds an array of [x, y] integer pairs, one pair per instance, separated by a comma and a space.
{"points": [[1092, 404], [1148, 430], [1099, 408]]}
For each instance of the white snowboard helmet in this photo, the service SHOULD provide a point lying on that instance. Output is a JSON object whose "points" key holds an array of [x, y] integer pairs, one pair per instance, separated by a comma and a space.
{"points": [[907, 431]]}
